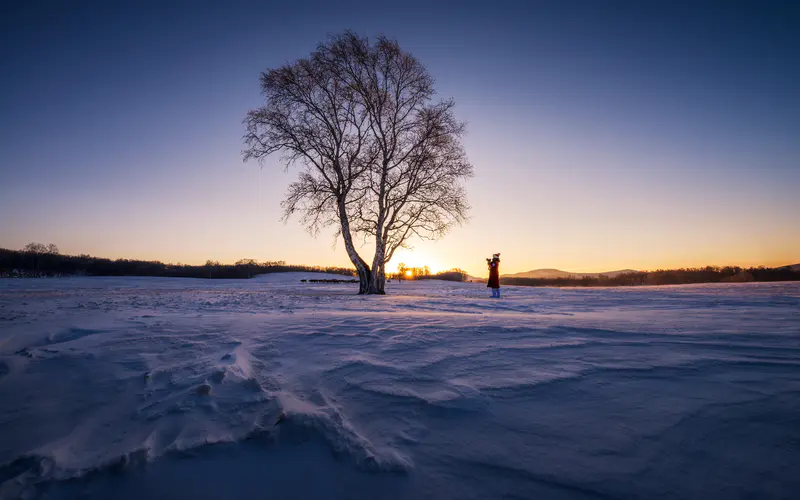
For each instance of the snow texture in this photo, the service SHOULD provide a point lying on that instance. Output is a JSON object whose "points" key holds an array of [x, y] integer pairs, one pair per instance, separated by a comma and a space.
{"points": [[272, 388]]}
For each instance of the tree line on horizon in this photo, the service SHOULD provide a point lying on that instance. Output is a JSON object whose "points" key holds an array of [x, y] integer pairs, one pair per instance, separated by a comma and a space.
{"points": [[683, 276], [409, 273], [38, 260]]}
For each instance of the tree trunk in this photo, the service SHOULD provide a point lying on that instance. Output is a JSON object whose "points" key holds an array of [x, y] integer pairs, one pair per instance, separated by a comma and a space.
{"points": [[364, 278], [378, 278], [364, 275]]}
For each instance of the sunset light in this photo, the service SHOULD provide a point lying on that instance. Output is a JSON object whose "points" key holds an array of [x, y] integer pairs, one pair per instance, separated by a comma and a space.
{"points": [[419, 258]]}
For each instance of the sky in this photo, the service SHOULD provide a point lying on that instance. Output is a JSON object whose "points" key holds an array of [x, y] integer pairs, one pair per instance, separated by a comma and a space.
{"points": [[604, 135]]}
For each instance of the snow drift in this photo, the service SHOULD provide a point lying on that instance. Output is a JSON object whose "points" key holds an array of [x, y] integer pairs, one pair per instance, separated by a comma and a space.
{"points": [[150, 387]]}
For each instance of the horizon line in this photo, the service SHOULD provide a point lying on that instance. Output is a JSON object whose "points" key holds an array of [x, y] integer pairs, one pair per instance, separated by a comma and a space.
{"points": [[286, 263]]}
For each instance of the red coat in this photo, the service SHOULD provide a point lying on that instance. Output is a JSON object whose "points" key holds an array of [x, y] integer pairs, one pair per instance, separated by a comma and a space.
{"points": [[494, 274]]}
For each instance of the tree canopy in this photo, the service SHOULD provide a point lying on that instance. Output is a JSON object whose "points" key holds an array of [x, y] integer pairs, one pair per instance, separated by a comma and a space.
{"points": [[381, 159]]}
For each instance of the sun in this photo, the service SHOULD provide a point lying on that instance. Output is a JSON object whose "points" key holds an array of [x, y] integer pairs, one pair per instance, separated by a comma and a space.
{"points": [[414, 259], [409, 273]]}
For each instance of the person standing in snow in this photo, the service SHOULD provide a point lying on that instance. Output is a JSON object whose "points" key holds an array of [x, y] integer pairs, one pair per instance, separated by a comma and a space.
{"points": [[494, 274]]}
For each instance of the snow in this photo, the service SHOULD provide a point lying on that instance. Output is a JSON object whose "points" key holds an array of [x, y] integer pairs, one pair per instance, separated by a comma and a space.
{"points": [[272, 388]]}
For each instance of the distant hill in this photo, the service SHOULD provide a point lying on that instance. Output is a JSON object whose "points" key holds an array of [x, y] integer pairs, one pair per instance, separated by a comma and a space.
{"points": [[540, 273], [557, 273]]}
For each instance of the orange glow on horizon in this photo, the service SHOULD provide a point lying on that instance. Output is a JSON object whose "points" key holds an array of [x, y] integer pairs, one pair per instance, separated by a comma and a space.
{"points": [[417, 258]]}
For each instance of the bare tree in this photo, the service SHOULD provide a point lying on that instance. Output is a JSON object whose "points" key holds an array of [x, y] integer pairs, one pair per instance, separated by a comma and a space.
{"points": [[38, 251], [250, 265], [41, 248], [312, 117], [414, 187], [401, 271], [35, 248], [381, 159]]}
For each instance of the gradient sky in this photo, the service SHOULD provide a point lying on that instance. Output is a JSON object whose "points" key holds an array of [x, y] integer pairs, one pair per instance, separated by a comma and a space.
{"points": [[604, 135]]}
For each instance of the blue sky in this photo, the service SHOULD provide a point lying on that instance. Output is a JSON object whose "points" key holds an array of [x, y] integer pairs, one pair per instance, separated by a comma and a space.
{"points": [[603, 135]]}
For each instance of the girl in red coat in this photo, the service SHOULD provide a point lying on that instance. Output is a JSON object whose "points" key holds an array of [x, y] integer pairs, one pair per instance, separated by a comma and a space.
{"points": [[494, 274]]}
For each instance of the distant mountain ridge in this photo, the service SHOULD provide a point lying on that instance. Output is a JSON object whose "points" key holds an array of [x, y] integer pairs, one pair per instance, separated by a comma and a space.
{"points": [[557, 273]]}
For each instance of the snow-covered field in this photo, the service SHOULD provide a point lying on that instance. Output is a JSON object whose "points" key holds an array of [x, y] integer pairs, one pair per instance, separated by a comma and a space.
{"points": [[272, 388]]}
